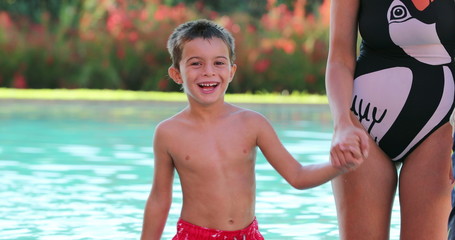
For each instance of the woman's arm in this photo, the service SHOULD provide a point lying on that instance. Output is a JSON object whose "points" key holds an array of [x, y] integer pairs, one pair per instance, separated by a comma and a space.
{"points": [[348, 141]]}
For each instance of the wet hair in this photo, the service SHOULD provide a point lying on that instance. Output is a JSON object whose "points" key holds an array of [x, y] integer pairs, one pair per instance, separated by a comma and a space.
{"points": [[191, 30]]}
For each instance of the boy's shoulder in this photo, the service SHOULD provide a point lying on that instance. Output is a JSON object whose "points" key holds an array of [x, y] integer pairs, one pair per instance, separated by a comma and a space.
{"points": [[171, 121], [251, 117], [169, 127], [246, 112]]}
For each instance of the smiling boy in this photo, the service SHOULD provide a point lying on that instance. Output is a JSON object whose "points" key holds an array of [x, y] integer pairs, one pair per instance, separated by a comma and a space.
{"points": [[212, 145]]}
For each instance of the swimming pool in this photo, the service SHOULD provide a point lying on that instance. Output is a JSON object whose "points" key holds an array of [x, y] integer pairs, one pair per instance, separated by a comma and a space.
{"points": [[83, 170]]}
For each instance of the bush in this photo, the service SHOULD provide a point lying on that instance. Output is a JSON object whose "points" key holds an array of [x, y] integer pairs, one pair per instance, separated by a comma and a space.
{"points": [[122, 45]]}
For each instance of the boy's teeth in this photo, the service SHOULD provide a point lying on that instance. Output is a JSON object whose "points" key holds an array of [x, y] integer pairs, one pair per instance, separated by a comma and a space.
{"points": [[207, 84]]}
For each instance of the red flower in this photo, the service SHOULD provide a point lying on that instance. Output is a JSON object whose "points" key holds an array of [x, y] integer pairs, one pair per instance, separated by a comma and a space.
{"points": [[311, 79], [162, 84], [19, 81], [133, 36], [5, 20], [262, 65], [200, 6], [118, 23], [324, 11], [120, 53], [161, 13], [287, 45], [251, 28], [213, 15], [143, 15]]}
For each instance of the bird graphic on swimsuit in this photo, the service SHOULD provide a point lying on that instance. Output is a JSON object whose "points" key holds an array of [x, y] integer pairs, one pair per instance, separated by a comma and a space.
{"points": [[386, 114]]}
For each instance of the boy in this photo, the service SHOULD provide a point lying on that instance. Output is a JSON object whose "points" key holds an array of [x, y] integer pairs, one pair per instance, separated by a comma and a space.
{"points": [[212, 145]]}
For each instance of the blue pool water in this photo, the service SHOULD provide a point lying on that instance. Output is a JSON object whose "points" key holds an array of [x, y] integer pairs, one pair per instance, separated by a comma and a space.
{"points": [[83, 170]]}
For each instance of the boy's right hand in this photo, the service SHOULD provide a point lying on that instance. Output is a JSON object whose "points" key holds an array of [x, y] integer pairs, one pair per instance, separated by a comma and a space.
{"points": [[349, 148]]}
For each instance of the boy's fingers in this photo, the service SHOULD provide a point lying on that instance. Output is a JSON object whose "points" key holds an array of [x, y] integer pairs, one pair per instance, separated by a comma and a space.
{"points": [[337, 157], [334, 159]]}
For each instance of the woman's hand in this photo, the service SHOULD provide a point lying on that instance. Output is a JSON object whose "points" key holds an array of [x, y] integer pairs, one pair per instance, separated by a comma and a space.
{"points": [[349, 147]]}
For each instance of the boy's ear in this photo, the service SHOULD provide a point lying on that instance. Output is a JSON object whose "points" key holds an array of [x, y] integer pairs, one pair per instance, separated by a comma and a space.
{"points": [[233, 69], [174, 73]]}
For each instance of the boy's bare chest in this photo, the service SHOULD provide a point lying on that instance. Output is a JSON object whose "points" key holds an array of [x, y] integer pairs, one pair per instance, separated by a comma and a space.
{"points": [[213, 147]]}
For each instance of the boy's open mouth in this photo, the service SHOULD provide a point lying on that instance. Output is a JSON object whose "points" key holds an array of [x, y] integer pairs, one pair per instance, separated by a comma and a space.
{"points": [[208, 85]]}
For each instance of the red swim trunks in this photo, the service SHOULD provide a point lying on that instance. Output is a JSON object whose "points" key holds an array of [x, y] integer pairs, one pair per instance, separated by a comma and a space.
{"points": [[188, 231]]}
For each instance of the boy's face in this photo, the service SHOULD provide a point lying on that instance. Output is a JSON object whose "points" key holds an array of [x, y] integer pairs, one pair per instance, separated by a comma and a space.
{"points": [[205, 70]]}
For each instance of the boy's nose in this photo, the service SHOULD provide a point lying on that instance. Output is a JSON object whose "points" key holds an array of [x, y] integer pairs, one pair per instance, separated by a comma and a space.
{"points": [[208, 71]]}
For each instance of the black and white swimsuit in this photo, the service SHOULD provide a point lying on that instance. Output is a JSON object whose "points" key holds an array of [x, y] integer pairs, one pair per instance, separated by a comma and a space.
{"points": [[404, 80]]}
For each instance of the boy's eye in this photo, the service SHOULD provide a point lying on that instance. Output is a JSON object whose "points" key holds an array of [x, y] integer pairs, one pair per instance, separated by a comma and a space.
{"points": [[195, 63], [220, 63]]}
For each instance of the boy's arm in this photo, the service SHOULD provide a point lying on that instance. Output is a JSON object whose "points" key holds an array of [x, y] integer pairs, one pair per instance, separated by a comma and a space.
{"points": [[160, 198], [299, 176]]}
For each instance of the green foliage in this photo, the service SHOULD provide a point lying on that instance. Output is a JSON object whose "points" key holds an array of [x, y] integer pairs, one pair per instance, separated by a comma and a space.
{"points": [[281, 45]]}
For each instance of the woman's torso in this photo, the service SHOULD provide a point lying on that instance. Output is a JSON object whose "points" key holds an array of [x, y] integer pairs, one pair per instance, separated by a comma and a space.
{"points": [[404, 79]]}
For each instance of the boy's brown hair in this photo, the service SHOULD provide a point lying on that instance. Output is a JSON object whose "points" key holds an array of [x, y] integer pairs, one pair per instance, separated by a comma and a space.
{"points": [[201, 28]]}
